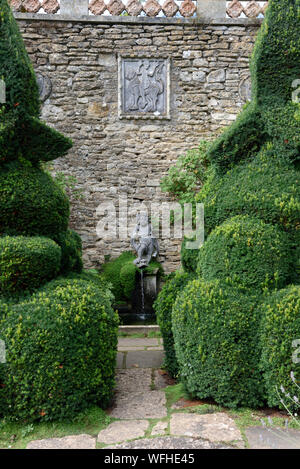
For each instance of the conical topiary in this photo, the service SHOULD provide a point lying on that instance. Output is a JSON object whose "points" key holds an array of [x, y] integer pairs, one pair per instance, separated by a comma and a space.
{"points": [[22, 134], [252, 213], [60, 340]]}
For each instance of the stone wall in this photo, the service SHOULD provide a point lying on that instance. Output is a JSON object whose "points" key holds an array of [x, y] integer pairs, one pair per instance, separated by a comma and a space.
{"points": [[114, 157]]}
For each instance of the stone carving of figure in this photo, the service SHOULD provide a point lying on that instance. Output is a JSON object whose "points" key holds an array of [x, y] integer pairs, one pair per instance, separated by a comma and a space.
{"points": [[134, 89], [144, 86], [143, 241], [153, 86]]}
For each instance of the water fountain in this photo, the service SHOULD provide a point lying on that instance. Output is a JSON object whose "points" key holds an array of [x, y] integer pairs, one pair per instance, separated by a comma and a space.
{"points": [[146, 246]]}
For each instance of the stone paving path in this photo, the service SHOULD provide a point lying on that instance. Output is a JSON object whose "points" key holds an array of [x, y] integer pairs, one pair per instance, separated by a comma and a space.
{"points": [[142, 419]]}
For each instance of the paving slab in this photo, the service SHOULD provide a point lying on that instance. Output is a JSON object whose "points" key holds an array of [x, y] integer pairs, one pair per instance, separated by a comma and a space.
{"points": [[127, 349], [141, 405], [168, 442], [67, 442], [133, 380], [273, 438], [145, 359], [160, 428], [138, 342], [213, 427], [160, 380], [120, 431], [120, 359]]}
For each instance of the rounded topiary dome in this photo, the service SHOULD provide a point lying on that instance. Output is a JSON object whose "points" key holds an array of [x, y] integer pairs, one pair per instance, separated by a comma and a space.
{"points": [[27, 263], [31, 203], [280, 334], [247, 251], [61, 351], [216, 334]]}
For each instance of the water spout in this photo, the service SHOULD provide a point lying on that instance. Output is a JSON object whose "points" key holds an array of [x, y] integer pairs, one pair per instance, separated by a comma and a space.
{"points": [[142, 292]]}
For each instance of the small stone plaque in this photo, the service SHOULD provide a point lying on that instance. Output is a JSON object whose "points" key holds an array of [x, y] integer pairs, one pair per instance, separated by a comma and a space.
{"points": [[144, 88], [245, 89], [44, 85]]}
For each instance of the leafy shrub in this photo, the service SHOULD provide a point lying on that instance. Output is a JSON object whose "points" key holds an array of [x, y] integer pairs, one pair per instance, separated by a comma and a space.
{"points": [[31, 204], [61, 351], [279, 329], [271, 116], [27, 263], [216, 333], [267, 188], [241, 141], [111, 273], [189, 257], [163, 309], [22, 135], [128, 278], [247, 250], [188, 174], [121, 273], [71, 251]]}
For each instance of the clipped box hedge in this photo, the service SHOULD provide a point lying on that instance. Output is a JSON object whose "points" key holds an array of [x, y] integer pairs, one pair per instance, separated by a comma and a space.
{"points": [[280, 344], [163, 309], [216, 342], [61, 351], [31, 203], [267, 187], [27, 263], [71, 251], [249, 251]]}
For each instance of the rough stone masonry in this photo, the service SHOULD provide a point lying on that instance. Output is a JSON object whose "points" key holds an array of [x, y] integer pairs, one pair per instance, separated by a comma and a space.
{"points": [[115, 157]]}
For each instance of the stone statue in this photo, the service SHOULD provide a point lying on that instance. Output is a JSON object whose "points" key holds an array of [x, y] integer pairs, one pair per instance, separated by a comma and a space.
{"points": [[143, 241]]}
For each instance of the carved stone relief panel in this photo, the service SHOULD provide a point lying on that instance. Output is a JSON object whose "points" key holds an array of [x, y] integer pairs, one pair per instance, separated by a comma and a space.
{"points": [[144, 88]]}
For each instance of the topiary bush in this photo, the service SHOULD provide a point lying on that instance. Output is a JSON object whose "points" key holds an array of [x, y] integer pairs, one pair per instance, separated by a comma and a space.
{"points": [[189, 257], [279, 341], [71, 251], [216, 335], [60, 340], [22, 135], [249, 251], [163, 309], [31, 204], [271, 115], [61, 351], [227, 347], [27, 263], [267, 187]]}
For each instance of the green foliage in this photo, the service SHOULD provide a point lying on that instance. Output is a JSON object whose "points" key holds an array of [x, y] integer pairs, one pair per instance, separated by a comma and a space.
{"points": [[127, 278], [241, 141], [228, 348], [216, 333], [31, 204], [61, 351], [271, 116], [163, 309], [189, 257], [188, 174], [267, 187], [71, 251], [279, 329], [27, 263], [121, 273], [247, 251], [111, 273], [22, 135]]}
